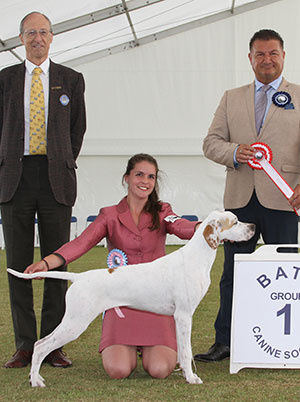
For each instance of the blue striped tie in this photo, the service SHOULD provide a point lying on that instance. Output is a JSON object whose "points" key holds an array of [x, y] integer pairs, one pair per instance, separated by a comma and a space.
{"points": [[260, 106]]}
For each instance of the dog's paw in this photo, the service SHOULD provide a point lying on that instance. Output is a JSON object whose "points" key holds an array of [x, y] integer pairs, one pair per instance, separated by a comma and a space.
{"points": [[194, 379], [37, 381]]}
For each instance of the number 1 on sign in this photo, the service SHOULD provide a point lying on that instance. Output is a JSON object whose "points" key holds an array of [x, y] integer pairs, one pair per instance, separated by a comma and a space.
{"points": [[286, 310]]}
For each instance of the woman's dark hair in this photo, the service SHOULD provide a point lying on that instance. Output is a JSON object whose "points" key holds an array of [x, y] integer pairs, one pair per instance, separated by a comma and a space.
{"points": [[153, 205]]}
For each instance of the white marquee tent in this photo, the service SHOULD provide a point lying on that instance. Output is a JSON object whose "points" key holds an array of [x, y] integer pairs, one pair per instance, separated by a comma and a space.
{"points": [[155, 71]]}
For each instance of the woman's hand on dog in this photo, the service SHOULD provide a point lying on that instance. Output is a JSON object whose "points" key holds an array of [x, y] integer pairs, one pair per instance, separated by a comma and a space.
{"points": [[50, 262]]}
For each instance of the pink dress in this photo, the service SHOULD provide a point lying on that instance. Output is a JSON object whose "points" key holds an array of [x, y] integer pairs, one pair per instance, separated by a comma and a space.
{"points": [[140, 244]]}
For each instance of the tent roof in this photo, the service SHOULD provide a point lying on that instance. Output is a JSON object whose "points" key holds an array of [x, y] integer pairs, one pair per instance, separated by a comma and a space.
{"points": [[84, 32]]}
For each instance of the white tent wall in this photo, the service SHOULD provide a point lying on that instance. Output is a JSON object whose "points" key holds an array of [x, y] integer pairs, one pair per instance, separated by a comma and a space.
{"points": [[160, 99]]}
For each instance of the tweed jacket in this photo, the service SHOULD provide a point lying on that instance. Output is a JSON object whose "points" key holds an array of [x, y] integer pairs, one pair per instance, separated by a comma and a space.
{"points": [[138, 242], [234, 124], [65, 130]]}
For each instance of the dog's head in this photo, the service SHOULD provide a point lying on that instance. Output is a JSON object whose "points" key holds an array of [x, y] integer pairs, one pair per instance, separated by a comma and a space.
{"points": [[225, 226]]}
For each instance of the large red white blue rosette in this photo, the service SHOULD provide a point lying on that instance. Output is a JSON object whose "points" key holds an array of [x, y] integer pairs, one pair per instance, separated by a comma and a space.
{"points": [[116, 258], [262, 151], [262, 160]]}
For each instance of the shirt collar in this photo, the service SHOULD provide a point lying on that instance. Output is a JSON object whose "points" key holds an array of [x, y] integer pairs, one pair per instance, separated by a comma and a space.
{"points": [[274, 84], [44, 66]]}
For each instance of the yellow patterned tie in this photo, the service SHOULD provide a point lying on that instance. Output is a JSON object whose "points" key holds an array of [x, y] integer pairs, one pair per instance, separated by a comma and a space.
{"points": [[37, 134]]}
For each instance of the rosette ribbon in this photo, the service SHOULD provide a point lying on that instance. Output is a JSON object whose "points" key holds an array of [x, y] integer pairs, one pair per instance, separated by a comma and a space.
{"points": [[262, 160], [117, 258]]}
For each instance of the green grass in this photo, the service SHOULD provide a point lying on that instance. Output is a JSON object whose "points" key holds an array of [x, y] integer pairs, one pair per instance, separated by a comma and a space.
{"points": [[87, 381]]}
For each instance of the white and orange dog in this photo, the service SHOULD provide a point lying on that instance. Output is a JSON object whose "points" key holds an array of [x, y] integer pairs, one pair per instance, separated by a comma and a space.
{"points": [[171, 285]]}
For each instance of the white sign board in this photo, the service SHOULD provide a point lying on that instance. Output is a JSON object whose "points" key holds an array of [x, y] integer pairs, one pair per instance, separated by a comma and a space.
{"points": [[265, 329]]}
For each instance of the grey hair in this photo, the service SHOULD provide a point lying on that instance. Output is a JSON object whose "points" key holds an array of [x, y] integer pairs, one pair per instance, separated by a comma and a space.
{"points": [[33, 12]]}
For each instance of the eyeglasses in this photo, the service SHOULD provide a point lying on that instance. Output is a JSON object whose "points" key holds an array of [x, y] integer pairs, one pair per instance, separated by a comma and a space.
{"points": [[33, 33]]}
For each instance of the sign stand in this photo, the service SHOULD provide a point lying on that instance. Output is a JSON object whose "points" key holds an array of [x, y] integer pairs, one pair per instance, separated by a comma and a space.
{"points": [[265, 329]]}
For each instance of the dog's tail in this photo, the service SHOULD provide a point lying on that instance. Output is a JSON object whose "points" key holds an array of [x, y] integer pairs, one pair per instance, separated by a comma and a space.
{"points": [[69, 276]]}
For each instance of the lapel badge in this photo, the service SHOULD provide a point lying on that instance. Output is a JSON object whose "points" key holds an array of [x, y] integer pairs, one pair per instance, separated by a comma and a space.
{"points": [[282, 99], [172, 218], [64, 100], [116, 258]]}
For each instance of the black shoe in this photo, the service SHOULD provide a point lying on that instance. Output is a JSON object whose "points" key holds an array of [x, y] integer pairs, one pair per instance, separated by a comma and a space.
{"points": [[20, 359], [216, 353], [58, 358]]}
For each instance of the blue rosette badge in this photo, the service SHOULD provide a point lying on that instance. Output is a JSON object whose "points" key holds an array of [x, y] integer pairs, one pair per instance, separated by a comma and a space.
{"points": [[281, 99], [116, 258], [64, 100]]}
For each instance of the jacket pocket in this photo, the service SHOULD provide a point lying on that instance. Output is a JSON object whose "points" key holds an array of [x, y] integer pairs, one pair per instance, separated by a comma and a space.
{"points": [[290, 169]]}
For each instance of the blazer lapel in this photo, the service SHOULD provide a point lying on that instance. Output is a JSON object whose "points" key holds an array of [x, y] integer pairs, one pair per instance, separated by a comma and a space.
{"points": [[55, 85], [145, 221], [54, 77], [125, 216], [18, 90], [273, 108]]}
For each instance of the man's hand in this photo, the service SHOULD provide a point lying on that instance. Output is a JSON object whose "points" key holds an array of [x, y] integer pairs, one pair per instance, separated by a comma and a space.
{"points": [[295, 198], [244, 153]]}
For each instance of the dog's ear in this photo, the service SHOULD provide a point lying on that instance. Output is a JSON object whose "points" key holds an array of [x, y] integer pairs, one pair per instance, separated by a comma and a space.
{"points": [[211, 236]]}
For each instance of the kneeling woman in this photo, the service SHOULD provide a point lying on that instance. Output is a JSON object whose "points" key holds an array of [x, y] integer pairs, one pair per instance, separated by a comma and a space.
{"points": [[138, 226]]}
